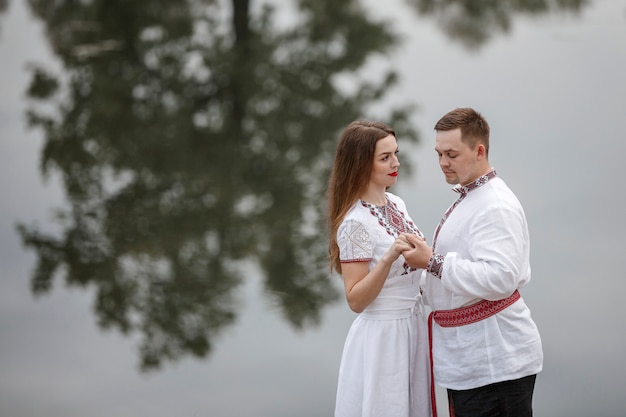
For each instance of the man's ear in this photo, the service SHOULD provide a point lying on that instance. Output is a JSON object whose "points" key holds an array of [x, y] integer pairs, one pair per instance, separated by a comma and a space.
{"points": [[481, 151]]}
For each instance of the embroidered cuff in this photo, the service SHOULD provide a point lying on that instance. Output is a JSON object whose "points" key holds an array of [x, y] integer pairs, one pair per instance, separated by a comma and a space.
{"points": [[435, 263]]}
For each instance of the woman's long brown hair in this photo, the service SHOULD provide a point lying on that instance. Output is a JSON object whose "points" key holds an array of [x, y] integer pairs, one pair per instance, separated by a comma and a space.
{"points": [[350, 176]]}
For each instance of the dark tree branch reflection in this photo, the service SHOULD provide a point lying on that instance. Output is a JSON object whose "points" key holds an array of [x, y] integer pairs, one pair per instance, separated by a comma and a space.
{"points": [[191, 144], [473, 23], [194, 142], [4, 6]]}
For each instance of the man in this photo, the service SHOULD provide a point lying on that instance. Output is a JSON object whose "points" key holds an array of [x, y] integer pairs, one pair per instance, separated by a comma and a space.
{"points": [[486, 348]]}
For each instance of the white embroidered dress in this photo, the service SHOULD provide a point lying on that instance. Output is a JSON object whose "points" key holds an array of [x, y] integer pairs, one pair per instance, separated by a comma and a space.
{"points": [[384, 368]]}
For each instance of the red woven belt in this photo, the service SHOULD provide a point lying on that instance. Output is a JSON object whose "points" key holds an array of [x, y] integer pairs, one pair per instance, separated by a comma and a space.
{"points": [[473, 313], [460, 317]]}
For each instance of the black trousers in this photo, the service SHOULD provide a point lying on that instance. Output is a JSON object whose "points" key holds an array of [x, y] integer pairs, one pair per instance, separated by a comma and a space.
{"points": [[502, 399]]}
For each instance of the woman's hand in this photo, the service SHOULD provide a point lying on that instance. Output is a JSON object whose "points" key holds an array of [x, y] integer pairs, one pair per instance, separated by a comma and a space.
{"points": [[418, 254], [362, 285], [400, 245]]}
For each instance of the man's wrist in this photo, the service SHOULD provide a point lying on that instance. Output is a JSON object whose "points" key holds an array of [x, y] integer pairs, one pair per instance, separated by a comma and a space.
{"points": [[435, 264]]}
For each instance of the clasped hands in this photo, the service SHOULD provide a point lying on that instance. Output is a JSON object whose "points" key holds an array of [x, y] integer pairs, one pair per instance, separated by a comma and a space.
{"points": [[415, 250]]}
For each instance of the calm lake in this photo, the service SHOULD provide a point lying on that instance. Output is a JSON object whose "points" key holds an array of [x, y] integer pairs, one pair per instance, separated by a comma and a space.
{"points": [[163, 167]]}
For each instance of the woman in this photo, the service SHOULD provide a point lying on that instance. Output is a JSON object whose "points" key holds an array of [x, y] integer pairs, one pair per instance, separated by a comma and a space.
{"points": [[384, 366]]}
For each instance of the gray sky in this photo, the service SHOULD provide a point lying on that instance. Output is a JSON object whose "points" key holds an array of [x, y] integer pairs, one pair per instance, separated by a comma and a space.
{"points": [[554, 94], [553, 91]]}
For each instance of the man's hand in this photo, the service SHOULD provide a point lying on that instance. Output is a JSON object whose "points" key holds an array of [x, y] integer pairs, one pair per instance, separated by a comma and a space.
{"points": [[419, 254]]}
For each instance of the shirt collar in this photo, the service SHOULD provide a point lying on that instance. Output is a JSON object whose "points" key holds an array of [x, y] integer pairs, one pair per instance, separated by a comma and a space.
{"points": [[482, 180]]}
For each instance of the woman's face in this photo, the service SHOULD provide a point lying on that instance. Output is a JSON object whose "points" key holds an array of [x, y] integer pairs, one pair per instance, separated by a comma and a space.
{"points": [[386, 163]]}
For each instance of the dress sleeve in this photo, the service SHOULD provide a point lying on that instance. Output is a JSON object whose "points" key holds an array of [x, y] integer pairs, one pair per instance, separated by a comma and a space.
{"points": [[354, 242]]}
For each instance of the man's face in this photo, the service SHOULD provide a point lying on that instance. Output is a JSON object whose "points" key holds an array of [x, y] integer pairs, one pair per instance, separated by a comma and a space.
{"points": [[460, 164]]}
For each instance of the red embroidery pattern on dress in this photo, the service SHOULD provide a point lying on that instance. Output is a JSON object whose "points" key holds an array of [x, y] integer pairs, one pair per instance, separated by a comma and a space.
{"points": [[392, 219], [394, 222]]}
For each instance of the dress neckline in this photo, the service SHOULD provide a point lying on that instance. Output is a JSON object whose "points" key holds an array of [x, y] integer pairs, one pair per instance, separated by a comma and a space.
{"points": [[368, 204]]}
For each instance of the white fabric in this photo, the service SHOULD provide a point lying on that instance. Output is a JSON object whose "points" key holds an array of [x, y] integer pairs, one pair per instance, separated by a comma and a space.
{"points": [[384, 368], [486, 247]]}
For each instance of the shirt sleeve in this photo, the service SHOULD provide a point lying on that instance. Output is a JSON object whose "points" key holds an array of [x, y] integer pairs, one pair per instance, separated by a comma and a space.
{"points": [[354, 242], [498, 257]]}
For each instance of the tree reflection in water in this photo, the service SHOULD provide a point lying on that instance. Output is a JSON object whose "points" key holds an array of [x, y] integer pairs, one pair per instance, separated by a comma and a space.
{"points": [[473, 23], [194, 137], [189, 144]]}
